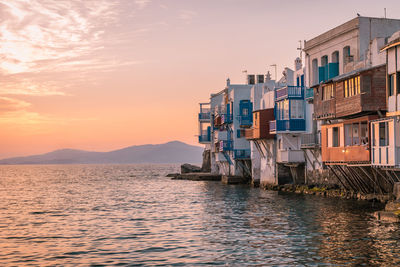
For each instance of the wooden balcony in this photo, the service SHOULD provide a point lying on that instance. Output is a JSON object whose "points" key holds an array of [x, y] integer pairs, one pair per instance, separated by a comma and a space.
{"points": [[260, 129], [340, 146]]}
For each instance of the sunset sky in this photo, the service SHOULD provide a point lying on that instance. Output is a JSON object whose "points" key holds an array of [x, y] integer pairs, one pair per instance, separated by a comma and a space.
{"points": [[101, 75]]}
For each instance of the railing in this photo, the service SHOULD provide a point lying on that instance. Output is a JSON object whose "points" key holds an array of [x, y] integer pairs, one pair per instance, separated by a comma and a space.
{"points": [[292, 125], [309, 140], [242, 154], [245, 121], [225, 145], [205, 116], [226, 118], [309, 93], [289, 91], [204, 138]]}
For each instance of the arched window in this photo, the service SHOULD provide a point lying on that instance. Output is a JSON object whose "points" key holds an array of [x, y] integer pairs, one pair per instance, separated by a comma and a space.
{"points": [[335, 57], [347, 57]]}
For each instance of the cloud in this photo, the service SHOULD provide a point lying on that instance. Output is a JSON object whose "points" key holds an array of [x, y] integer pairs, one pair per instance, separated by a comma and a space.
{"points": [[36, 32], [187, 15], [8, 105], [142, 3]]}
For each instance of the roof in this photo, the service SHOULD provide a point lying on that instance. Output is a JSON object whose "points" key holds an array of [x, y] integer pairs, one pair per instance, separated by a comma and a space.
{"points": [[355, 72], [391, 44]]}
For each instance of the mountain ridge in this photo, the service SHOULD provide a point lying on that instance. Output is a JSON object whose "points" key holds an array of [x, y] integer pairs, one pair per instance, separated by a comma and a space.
{"points": [[170, 152]]}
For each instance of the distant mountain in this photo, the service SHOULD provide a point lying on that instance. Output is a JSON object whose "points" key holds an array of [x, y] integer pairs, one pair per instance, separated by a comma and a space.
{"points": [[171, 152]]}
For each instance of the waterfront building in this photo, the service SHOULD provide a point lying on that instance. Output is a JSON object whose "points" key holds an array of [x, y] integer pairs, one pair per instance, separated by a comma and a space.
{"points": [[262, 142], [230, 116], [386, 131], [347, 74]]}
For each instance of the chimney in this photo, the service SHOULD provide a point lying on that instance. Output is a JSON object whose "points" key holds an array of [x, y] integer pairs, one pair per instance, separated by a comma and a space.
{"points": [[260, 78], [268, 77], [251, 79], [228, 82]]}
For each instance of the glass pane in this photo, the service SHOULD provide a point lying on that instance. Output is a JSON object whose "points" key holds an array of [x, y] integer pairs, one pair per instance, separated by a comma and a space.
{"points": [[347, 134], [364, 133], [356, 139], [335, 137], [382, 134]]}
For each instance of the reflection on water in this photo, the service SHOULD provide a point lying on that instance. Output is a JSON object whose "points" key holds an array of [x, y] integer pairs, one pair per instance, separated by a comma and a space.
{"points": [[132, 214]]}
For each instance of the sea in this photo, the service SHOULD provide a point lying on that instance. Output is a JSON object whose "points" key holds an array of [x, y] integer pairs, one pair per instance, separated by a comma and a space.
{"points": [[133, 215]]}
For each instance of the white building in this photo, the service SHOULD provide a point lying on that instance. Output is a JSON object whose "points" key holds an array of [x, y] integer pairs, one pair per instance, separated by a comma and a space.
{"points": [[231, 114]]}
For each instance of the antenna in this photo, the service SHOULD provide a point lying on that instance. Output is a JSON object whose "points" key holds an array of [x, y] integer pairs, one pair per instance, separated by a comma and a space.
{"points": [[300, 49], [274, 65]]}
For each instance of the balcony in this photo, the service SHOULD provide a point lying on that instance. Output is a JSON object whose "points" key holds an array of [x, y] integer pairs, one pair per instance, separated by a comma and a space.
{"points": [[284, 126], [309, 140], [205, 136], [204, 116], [309, 95], [204, 139], [242, 154], [245, 121], [226, 118], [225, 146], [249, 134], [289, 92]]}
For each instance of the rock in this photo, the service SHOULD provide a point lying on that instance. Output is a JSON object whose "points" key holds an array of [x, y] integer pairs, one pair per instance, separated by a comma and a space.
{"points": [[187, 168], [206, 166], [173, 174], [396, 190]]}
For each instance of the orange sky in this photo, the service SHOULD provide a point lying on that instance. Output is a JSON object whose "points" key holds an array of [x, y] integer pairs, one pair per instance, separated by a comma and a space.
{"points": [[104, 74]]}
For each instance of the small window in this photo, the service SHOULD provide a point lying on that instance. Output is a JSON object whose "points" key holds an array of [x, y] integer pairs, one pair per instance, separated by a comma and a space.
{"points": [[347, 134], [364, 133], [383, 134], [245, 112], [391, 84], [335, 137], [346, 89]]}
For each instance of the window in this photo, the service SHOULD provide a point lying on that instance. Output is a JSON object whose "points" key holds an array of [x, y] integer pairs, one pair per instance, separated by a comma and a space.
{"points": [[327, 92], [356, 138], [391, 84], [245, 112], [383, 134], [373, 134], [335, 137], [347, 134], [352, 87], [364, 133], [296, 109], [286, 109], [398, 83]]}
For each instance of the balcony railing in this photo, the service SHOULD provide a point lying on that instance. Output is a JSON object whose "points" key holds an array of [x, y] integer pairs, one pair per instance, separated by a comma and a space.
{"points": [[292, 125], [309, 93], [289, 91], [225, 145], [205, 116], [309, 140], [245, 121], [242, 154], [226, 118], [204, 138]]}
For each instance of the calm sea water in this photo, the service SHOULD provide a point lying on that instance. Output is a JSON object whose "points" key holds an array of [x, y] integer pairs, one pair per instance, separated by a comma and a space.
{"points": [[133, 215]]}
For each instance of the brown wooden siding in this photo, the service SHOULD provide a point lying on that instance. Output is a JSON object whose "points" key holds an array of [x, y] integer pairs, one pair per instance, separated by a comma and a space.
{"points": [[323, 109], [260, 129], [371, 99]]}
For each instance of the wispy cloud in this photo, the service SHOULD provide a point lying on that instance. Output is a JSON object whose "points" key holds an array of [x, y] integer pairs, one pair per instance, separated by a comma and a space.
{"points": [[142, 3], [8, 105], [36, 33], [187, 15]]}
